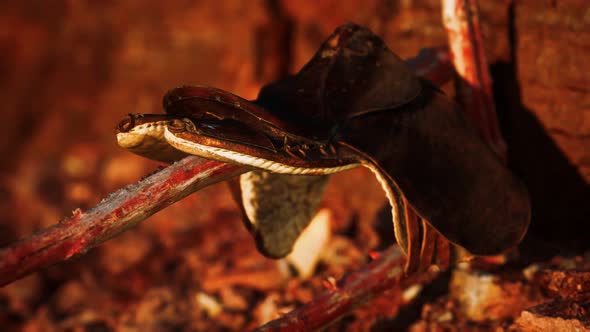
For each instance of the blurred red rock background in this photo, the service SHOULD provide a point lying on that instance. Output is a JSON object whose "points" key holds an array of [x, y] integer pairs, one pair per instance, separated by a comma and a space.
{"points": [[69, 70]]}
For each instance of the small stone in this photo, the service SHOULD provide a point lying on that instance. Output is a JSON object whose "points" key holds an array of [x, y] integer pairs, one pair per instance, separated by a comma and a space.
{"points": [[568, 284], [308, 248], [483, 296], [232, 300], [209, 304], [267, 310], [411, 292], [558, 315]]}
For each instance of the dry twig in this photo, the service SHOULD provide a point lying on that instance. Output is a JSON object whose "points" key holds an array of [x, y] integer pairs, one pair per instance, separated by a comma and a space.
{"points": [[122, 210], [474, 87], [132, 204]]}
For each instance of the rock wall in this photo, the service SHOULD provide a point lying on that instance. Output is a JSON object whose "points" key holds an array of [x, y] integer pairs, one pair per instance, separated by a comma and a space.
{"points": [[550, 130]]}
